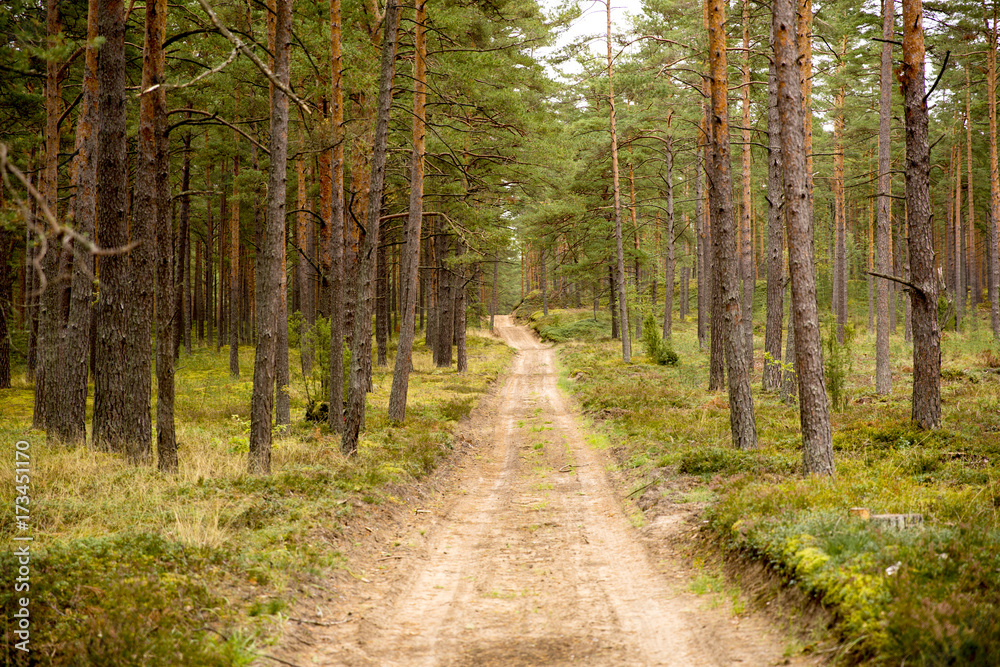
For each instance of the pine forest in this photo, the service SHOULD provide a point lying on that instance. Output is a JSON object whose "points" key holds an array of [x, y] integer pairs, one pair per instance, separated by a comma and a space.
{"points": [[499, 332]]}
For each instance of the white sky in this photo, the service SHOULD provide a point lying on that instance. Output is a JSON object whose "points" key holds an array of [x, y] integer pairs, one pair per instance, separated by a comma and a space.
{"points": [[593, 21]]}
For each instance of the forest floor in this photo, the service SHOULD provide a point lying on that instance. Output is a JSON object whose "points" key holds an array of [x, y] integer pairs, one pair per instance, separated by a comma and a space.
{"points": [[526, 551]]}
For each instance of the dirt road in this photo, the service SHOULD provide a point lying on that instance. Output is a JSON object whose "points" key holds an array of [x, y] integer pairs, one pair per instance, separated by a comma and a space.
{"points": [[532, 561]]}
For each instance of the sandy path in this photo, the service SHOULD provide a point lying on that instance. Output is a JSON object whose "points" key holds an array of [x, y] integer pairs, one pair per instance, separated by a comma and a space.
{"points": [[534, 562]]}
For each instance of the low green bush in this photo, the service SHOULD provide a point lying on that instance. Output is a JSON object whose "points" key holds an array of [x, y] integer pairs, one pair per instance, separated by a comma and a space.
{"points": [[657, 349]]}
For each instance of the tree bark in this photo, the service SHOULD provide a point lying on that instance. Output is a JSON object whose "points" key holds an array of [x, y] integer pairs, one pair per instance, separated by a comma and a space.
{"points": [[612, 305], [839, 204], [68, 424], [701, 232], [269, 255], [668, 297], [746, 226], [883, 225], [493, 298], [462, 354], [444, 318], [975, 289], [717, 342], [182, 289], [382, 271], [926, 411], [994, 222], [741, 411], [411, 252], [959, 239], [48, 371], [123, 378], [620, 277], [362, 340], [775, 239], [234, 273], [814, 411], [167, 279], [337, 222]]}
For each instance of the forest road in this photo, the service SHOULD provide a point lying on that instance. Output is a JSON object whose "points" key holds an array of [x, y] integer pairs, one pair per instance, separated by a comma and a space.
{"points": [[533, 561]]}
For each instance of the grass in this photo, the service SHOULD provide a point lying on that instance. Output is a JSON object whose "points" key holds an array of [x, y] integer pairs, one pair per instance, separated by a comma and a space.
{"points": [[923, 596], [132, 567]]}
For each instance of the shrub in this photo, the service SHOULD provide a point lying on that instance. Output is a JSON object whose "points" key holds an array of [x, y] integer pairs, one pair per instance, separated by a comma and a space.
{"points": [[658, 350]]}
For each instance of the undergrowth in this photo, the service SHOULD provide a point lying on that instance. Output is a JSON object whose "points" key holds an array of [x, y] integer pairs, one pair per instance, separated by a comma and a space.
{"points": [[921, 596], [131, 567]]}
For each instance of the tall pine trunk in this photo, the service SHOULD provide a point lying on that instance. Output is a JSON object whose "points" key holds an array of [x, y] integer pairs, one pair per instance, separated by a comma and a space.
{"points": [[410, 259], [814, 411], [168, 280], [619, 250], [234, 273], [668, 298], [994, 222], [883, 224], [49, 370], [926, 410], [775, 238], [361, 345], [741, 411], [269, 255], [123, 379], [701, 234], [337, 222], [748, 274], [68, 424]]}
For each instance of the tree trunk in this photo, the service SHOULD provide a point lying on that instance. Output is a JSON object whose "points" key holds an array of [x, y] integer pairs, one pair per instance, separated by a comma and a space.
{"points": [[668, 297], [167, 278], [362, 339], [445, 315], [68, 424], [883, 225], [269, 254], [775, 239], [741, 411], [382, 272], [7, 240], [994, 221], [234, 273], [926, 410], [123, 379], [49, 371], [337, 222], [493, 298], [839, 205], [959, 239], [975, 289], [410, 259], [303, 278], [620, 277], [814, 411], [612, 305], [701, 233], [717, 342], [282, 380], [460, 339], [871, 263], [746, 226], [182, 273]]}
